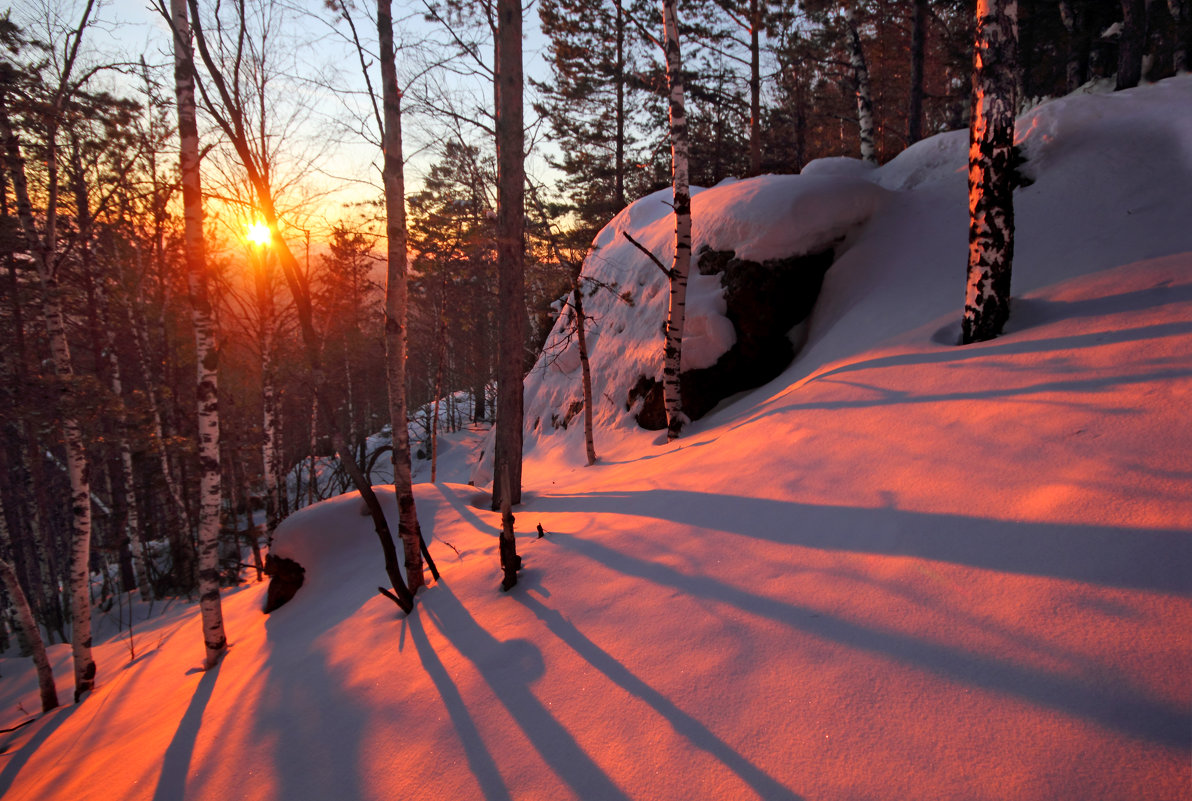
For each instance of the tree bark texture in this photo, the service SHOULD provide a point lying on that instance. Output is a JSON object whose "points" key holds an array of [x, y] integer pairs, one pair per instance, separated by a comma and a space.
{"points": [[511, 212], [586, 370], [861, 79], [396, 300], [991, 171], [269, 428], [619, 155], [206, 353], [672, 354], [914, 112], [755, 88], [230, 119], [45, 673], [42, 245], [1131, 43]]}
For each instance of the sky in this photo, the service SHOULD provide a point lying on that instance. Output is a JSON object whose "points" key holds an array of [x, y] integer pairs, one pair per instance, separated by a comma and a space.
{"points": [[900, 569], [339, 164]]}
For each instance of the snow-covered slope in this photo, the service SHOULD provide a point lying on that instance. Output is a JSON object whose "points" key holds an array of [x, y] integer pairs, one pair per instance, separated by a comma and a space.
{"points": [[902, 569]]}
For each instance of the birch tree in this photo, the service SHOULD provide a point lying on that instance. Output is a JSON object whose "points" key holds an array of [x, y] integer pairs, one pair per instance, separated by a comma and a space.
{"points": [[680, 268], [224, 104], [42, 241], [206, 353], [861, 81], [991, 171], [41, 662]]}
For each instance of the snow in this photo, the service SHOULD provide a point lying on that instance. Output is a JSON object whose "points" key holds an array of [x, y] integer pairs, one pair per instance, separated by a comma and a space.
{"points": [[902, 569]]}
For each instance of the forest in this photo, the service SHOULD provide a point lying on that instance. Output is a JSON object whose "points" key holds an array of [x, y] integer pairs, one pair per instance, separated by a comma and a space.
{"points": [[191, 237]]}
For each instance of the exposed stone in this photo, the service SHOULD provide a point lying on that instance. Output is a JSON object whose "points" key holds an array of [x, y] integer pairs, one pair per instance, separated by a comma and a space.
{"points": [[285, 577], [765, 301]]}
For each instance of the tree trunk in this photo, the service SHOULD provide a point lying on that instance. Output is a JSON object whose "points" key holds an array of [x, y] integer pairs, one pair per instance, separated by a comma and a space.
{"points": [[45, 673], [206, 352], [619, 155], [681, 266], [586, 370], [510, 561], [440, 357], [755, 88], [269, 428], [1072, 18], [231, 121], [861, 78], [1183, 27], [991, 171], [396, 299], [1131, 44], [511, 292], [914, 112], [78, 466]]}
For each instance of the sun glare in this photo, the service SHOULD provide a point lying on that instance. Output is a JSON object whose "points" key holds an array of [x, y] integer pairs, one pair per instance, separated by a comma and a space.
{"points": [[258, 234]]}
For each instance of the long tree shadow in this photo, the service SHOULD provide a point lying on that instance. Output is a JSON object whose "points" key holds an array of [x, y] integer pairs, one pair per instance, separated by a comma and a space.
{"points": [[175, 766], [16, 760], [1114, 707], [317, 726], [1149, 559], [896, 397], [765, 785], [483, 766], [508, 667]]}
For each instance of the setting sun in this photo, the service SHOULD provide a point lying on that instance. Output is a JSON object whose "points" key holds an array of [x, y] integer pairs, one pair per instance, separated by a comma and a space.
{"points": [[258, 234]]}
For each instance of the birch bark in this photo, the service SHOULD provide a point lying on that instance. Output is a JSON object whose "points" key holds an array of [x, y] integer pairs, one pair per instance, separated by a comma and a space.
{"points": [[206, 352], [42, 245], [672, 354], [991, 171], [864, 95]]}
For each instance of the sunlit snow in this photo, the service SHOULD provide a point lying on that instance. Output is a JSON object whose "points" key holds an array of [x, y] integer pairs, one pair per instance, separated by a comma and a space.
{"points": [[901, 570]]}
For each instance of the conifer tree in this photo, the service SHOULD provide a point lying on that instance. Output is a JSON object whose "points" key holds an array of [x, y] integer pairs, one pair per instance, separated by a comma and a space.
{"points": [[587, 104]]}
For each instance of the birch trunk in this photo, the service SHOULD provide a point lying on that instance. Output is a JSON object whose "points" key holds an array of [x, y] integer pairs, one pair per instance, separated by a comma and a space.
{"points": [[45, 673], [991, 171], [864, 95], [672, 353], [230, 118], [511, 212], [127, 477], [26, 621], [42, 246], [180, 532], [265, 317], [586, 370], [396, 299], [619, 148], [206, 353]]}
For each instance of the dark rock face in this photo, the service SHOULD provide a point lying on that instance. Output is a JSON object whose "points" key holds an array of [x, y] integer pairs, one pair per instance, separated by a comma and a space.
{"points": [[765, 301], [285, 577]]}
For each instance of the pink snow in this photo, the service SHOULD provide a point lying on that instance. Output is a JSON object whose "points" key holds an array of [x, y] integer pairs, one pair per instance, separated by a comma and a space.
{"points": [[901, 570]]}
